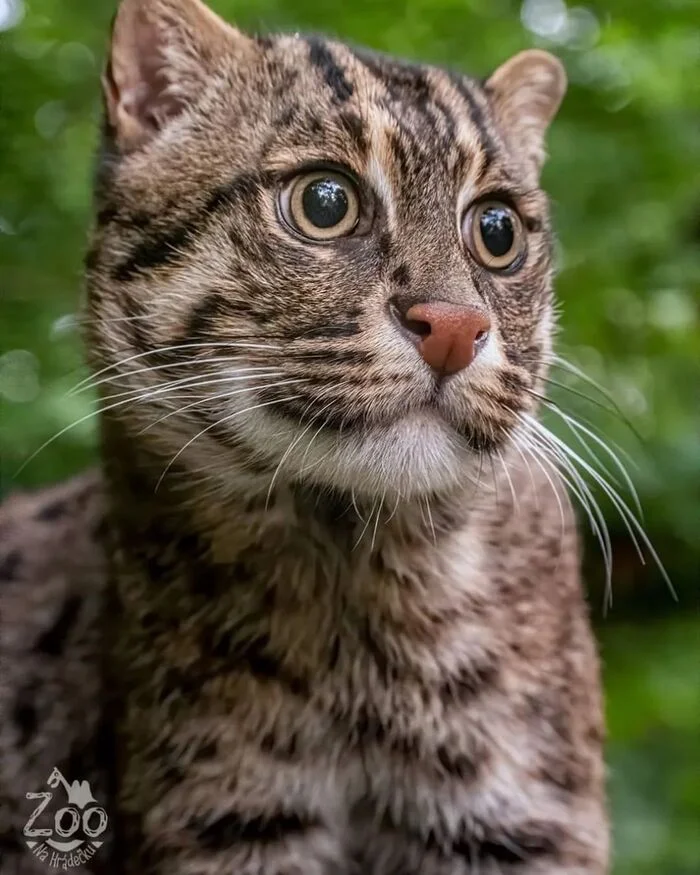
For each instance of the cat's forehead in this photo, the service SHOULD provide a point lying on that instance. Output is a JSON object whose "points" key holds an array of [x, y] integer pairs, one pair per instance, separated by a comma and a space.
{"points": [[352, 106]]}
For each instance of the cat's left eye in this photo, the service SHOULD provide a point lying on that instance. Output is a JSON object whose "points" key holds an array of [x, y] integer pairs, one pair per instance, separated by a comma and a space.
{"points": [[321, 205], [494, 234]]}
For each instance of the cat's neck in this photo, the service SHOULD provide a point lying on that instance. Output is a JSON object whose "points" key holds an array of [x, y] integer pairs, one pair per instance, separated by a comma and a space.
{"points": [[296, 524], [304, 574]]}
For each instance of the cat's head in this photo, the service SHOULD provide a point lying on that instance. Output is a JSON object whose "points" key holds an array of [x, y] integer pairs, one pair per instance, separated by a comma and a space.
{"points": [[315, 260]]}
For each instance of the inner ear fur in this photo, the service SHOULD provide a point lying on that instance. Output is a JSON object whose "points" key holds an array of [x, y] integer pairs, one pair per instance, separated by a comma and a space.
{"points": [[161, 54]]}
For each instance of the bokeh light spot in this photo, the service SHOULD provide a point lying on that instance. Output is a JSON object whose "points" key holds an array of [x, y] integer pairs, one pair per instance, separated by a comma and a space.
{"points": [[11, 13], [19, 376]]}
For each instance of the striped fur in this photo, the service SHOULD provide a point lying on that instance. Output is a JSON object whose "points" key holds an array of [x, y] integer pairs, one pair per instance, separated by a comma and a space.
{"points": [[345, 633]]}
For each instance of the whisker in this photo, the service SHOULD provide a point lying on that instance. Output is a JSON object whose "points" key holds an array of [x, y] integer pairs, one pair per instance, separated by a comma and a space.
{"points": [[289, 449], [76, 423], [430, 519], [214, 425], [357, 509], [575, 425], [175, 365], [376, 522], [193, 382], [564, 364], [215, 397], [579, 394], [632, 524], [590, 506], [229, 344], [367, 522], [508, 478], [303, 468]]}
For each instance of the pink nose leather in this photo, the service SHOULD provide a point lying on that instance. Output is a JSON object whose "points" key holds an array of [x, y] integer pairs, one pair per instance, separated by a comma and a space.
{"points": [[451, 336]]}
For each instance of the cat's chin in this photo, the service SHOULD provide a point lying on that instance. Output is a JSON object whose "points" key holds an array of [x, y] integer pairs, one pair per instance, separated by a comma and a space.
{"points": [[417, 455]]}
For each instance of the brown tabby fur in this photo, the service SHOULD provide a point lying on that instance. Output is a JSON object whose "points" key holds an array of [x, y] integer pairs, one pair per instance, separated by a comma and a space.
{"points": [[342, 632]]}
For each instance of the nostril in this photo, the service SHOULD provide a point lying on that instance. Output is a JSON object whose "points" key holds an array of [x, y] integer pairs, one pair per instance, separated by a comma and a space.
{"points": [[415, 327], [481, 338]]}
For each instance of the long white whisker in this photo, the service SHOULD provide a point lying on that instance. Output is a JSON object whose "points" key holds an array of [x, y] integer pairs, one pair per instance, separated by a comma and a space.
{"points": [[215, 396], [575, 425], [499, 455], [76, 423], [185, 363], [612, 494], [376, 522], [578, 486], [632, 524], [559, 361], [353, 499], [214, 425], [284, 457], [430, 519], [192, 382], [364, 528], [228, 344]]}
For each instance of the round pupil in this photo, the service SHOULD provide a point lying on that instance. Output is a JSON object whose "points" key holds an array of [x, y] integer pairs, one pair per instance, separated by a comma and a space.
{"points": [[497, 231], [325, 202]]}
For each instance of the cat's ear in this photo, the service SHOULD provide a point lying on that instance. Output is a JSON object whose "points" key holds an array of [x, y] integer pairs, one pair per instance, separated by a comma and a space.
{"points": [[525, 93], [162, 53]]}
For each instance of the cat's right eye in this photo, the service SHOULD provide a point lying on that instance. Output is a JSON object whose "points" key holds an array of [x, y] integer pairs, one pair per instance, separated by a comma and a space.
{"points": [[321, 205]]}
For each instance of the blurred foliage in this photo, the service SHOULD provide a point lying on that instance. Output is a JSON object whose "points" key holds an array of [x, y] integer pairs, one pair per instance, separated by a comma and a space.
{"points": [[625, 181]]}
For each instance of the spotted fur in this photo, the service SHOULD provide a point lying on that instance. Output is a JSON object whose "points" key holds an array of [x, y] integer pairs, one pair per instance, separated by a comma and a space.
{"points": [[341, 628]]}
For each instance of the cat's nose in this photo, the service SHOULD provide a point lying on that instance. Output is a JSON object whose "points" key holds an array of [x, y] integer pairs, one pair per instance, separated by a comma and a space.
{"points": [[448, 336]]}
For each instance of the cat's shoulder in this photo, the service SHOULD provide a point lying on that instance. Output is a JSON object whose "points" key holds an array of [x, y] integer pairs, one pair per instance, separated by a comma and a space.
{"points": [[53, 531], [51, 565], [51, 589]]}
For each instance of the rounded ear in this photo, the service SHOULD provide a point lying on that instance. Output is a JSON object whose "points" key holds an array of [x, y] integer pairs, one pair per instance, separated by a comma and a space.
{"points": [[161, 54], [525, 93]]}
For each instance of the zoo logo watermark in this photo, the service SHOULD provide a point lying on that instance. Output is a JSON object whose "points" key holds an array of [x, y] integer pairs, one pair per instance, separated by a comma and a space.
{"points": [[77, 828]]}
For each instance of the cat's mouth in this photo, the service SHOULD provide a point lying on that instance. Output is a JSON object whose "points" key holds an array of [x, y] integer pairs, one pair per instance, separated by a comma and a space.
{"points": [[424, 450]]}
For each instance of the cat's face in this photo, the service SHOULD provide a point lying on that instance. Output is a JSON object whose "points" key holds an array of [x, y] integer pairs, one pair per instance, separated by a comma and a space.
{"points": [[316, 258]]}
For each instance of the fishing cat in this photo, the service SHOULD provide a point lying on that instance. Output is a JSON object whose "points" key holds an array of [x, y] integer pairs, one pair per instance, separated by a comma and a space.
{"points": [[320, 613]]}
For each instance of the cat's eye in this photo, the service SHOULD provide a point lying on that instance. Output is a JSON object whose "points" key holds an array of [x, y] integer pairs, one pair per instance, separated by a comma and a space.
{"points": [[494, 234], [321, 205]]}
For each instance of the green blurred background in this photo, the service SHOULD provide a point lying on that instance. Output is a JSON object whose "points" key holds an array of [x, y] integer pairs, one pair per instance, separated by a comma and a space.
{"points": [[625, 181]]}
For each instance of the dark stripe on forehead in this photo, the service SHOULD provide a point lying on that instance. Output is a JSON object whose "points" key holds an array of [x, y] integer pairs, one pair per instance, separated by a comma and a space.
{"points": [[403, 80], [447, 117], [352, 124], [411, 84], [466, 90], [321, 57], [424, 125]]}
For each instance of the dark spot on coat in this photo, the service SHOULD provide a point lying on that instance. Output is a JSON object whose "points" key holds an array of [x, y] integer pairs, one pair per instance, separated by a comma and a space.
{"points": [[53, 640], [232, 828], [25, 718], [52, 511], [9, 565], [472, 680], [457, 765], [10, 843], [401, 275]]}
